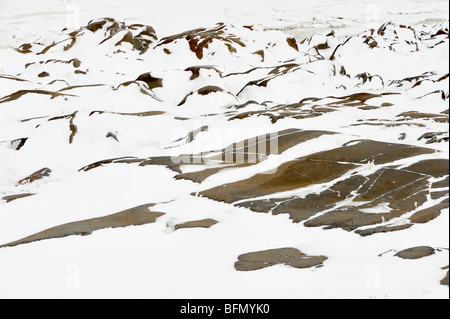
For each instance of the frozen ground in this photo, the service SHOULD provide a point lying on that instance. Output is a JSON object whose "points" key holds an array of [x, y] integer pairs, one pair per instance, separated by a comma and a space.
{"points": [[96, 114]]}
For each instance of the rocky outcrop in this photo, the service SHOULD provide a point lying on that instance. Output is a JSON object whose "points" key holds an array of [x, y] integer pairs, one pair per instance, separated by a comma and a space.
{"points": [[136, 216], [203, 223], [284, 256]]}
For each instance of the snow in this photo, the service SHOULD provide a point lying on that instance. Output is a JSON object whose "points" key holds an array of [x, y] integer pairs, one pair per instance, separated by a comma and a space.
{"points": [[153, 260]]}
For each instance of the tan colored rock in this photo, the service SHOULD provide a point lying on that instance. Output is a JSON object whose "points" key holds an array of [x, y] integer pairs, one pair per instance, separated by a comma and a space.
{"points": [[139, 215], [204, 223], [286, 256], [416, 252], [10, 198]]}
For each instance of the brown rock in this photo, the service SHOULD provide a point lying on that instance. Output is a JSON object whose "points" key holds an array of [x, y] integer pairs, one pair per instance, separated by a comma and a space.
{"points": [[416, 252], [199, 39], [202, 91], [292, 42], [10, 198], [289, 176], [151, 81], [204, 223], [425, 215], [20, 93], [444, 281], [286, 256], [139, 215], [122, 160], [44, 172], [24, 48], [381, 229], [434, 167], [385, 186], [43, 74]]}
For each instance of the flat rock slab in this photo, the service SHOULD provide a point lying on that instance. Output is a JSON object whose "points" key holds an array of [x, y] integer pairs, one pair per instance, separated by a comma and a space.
{"points": [[416, 252], [10, 198], [204, 223], [284, 256], [388, 186], [139, 215]]}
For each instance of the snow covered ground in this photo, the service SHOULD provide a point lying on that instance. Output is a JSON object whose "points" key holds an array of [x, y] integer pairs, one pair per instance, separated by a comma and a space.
{"points": [[121, 129]]}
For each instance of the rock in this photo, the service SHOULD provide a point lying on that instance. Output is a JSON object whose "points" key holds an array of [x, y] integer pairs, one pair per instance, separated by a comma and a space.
{"points": [[386, 186], [200, 39], [168, 161], [43, 74], [17, 144], [416, 252], [289, 176], [139, 215], [127, 160], [10, 198], [151, 81], [204, 223], [24, 48], [202, 91], [381, 229], [112, 135], [293, 43], [434, 137], [20, 93], [287, 256], [195, 70], [444, 281], [314, 169], [44, 172], [425, 215], [441, 118], [200, 176], [434, 167], [248, 152]]}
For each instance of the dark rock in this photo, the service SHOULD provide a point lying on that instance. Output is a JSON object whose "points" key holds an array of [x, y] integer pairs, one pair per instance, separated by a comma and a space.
{"points": [[19, 143], [202, 91], [151, 81], [10, 198], [43, 74], [293, 43], [44, 172], [199, 39], [24, 48], [112, 135], [195, 70], [20, 93]]}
